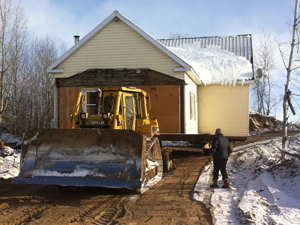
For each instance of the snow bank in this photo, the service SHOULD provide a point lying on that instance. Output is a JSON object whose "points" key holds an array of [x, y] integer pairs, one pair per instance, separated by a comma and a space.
{"points": [[214, 65], [260, 123], [264, 185], [8, 139]]}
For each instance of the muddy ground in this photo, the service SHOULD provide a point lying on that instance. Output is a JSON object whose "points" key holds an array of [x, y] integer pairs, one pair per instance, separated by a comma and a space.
{"points": [[168, 202]]}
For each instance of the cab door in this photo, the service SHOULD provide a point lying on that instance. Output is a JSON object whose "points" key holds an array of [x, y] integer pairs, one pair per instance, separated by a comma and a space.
{"points": [[129, 111]]}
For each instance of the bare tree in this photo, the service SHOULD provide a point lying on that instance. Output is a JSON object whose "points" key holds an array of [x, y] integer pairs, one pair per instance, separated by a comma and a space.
{"points": [[13, 23], [263, 86], [30, 104], [287, 92]]}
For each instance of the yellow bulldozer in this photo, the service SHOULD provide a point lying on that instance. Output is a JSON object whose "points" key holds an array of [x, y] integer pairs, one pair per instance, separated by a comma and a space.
{"points": [[110, 145]]}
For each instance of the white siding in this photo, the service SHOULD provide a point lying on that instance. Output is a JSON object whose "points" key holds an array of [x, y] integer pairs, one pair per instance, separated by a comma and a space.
{"points": [[191, 125]]}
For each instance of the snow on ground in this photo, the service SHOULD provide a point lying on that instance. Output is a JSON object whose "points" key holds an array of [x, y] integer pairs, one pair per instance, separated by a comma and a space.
{"points": [[213, 64], [9, 162], [264, 185], [9, 157]]}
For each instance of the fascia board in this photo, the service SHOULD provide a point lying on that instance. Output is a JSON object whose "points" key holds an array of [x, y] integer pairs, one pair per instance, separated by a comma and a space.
{"points": [[189, 69], [181, 69], [56, 71], [77, 46]]}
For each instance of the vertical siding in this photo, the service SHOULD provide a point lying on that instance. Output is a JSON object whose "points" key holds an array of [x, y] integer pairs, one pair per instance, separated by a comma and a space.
{"points": [[67, 102], [225, 107], [165, 107], [119, 46], [55, 97], [191, 126]]}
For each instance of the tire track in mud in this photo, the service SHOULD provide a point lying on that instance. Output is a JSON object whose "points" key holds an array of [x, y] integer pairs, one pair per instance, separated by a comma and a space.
{"points": [[38, 204], [170, 201], [104, 212], [23, 215], [113, 211]]}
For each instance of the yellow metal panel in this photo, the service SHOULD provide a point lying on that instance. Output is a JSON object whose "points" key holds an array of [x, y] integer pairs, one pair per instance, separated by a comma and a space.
{"points": [[118, 46], [225, 107]]}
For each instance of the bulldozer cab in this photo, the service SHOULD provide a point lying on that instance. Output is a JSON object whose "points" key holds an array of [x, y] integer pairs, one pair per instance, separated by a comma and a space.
{"points": [[116, 108], [121, 104]]}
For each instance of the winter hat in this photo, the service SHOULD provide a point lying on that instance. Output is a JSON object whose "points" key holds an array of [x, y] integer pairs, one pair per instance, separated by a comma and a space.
{"points": [[218, 131]]}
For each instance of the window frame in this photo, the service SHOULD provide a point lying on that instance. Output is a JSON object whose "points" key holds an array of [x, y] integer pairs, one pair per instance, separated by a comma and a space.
{"points": [[84, 92], [192, 106]]}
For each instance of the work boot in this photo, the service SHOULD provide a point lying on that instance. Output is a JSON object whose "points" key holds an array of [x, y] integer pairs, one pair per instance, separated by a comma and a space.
{"points": [[226, 184], [215, 184]]}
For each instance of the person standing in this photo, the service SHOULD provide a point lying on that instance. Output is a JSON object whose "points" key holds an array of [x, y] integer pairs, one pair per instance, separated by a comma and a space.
{"points": [[220, 151]]}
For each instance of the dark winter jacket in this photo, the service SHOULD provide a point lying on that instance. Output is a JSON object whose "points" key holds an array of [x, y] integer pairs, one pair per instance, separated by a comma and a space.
{"points": [[220, 148]]}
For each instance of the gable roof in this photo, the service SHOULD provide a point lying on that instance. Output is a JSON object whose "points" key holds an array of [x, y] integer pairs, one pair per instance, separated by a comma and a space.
{"points": [[115, 15]]}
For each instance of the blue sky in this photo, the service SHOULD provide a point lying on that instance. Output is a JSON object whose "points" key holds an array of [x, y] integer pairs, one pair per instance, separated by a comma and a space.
{"points": [[62, 19]]}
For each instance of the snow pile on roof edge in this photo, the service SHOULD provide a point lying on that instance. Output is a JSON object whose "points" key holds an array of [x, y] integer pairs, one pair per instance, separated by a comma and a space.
{"points": [[214, 65]]}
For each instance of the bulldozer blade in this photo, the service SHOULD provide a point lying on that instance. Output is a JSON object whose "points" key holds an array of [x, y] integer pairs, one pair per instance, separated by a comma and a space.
{"points": [[83, 157]]}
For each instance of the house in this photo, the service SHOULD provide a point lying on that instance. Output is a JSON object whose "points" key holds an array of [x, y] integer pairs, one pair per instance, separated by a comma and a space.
{"points": [[196, 84]]}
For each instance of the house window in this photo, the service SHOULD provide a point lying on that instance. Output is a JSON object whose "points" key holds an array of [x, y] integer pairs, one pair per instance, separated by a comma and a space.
{"points": [[90, 101], [192, 106]]}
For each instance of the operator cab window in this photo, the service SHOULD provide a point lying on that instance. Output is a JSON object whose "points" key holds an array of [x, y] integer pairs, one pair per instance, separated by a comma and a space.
{"points": [[138, 106], [108, 103]]}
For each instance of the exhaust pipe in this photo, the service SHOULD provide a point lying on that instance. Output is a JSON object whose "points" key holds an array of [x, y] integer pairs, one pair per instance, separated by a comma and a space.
{"points": [[76, 39]]}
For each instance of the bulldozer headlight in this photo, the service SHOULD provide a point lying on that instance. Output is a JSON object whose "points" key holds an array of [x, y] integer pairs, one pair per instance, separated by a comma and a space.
{"points": [[83, 116], [105, 116], [155, 130]]}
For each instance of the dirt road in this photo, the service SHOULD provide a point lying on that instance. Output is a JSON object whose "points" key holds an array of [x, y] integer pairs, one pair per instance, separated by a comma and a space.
{"points": [[168, 202]]}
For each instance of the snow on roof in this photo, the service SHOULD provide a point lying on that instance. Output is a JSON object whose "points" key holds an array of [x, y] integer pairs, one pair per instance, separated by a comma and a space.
{"points": [[238, 44], [214, 65]]}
